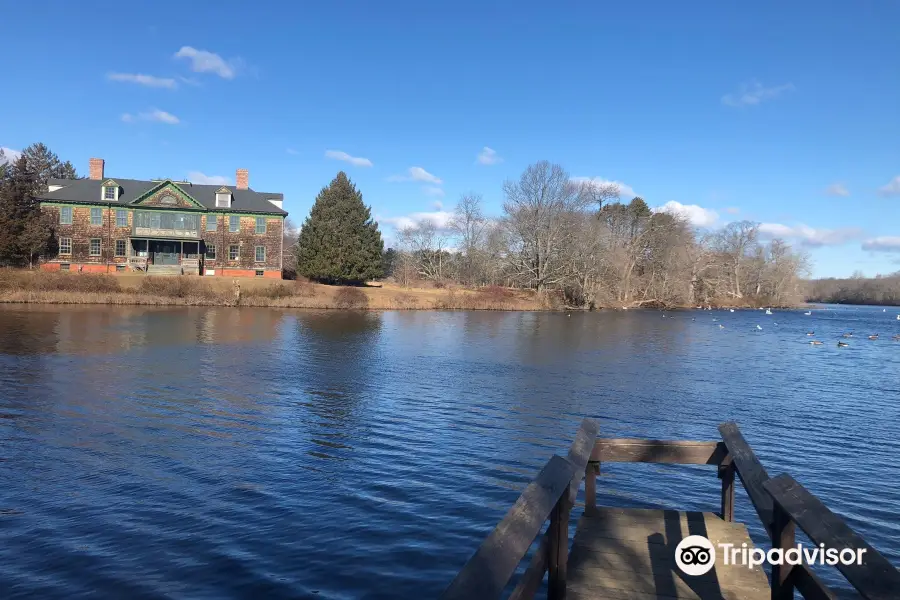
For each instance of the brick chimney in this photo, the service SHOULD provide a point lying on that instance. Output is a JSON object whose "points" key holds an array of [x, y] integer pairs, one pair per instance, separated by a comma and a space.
{"points": [[242, 177], [96, 168]]}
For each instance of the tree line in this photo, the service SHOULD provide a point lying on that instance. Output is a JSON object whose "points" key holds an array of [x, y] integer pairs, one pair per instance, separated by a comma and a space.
{"points": [[880, 290], [579, 240], [25, 232]]}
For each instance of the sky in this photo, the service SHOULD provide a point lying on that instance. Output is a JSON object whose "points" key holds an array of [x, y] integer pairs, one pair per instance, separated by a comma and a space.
{"points": [[787, 114]]}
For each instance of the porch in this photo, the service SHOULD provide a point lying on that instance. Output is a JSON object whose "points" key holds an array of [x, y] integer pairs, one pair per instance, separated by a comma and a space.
{"points": [[171, 254]]}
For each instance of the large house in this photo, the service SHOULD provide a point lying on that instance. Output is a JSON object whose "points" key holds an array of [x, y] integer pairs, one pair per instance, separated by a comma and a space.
{"points": [[106, 225]]}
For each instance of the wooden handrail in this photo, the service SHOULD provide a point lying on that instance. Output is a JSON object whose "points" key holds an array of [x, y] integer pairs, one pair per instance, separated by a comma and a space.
{"points": [[658, 451], [486, 574], [875, 578], [551, 495], [754, 476]]}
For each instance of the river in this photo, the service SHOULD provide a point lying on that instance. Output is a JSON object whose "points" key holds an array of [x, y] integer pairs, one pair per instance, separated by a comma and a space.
{"points": [[222, 452]]}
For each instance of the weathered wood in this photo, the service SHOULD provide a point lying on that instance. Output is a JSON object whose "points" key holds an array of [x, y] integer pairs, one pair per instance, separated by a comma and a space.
{"points": [[876, 578], [751, 472], [558, 551], [486, 574], [658, 451], [782, 537], [590, 488], [809, 585], [630, 553], [726, 474], [579, 453], [531, 580]]}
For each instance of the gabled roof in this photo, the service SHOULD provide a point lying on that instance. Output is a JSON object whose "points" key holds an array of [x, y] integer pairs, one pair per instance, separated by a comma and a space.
{"points": [[131, 190]]}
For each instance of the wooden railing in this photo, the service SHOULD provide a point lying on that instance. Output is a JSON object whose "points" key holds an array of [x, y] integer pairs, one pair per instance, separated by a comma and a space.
{"points": [[550, 495], [781, 503]]}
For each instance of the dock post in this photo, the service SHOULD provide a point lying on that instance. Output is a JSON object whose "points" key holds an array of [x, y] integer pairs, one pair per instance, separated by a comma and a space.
{"points": [[590, 488], [558, 533], [726, 474], [783, 536]]}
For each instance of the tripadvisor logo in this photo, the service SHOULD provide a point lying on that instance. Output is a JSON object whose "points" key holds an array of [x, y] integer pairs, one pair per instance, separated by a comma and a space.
{"points": [[696, 555]]}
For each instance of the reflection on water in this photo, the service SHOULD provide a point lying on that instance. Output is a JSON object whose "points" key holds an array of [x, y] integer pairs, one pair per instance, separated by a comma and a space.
{"points": [[220, 452]]}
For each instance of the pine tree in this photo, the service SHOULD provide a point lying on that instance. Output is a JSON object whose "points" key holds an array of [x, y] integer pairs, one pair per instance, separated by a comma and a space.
{"points": [[17, 208], [339, 241]]}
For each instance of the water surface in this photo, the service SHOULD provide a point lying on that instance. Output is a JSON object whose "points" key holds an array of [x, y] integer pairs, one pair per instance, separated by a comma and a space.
{"points": [[218, 452]]}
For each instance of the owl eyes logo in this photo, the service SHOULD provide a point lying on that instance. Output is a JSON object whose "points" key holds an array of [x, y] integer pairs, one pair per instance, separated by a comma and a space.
{"points": [[695, 555]]}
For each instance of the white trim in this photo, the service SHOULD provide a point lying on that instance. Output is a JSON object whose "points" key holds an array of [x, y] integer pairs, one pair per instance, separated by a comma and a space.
{"points": [[103, 189], [224, 196]]}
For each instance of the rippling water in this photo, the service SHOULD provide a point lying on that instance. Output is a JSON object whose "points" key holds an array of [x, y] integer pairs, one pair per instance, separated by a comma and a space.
{"points": [[214, 452]]}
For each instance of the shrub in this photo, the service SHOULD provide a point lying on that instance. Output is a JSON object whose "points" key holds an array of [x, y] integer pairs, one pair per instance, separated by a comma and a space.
{"points": [[273, 291], [177, 287], [495, 293], [42, 281], [351, 298]]}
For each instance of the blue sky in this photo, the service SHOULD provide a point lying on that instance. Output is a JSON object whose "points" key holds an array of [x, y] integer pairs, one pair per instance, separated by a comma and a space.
{"points": [[783, 113]]}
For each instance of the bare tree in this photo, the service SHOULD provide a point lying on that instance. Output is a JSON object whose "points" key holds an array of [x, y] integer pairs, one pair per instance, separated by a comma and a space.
{"points": [[736, 241], [538, 208], [470, 227], [427, 244]]}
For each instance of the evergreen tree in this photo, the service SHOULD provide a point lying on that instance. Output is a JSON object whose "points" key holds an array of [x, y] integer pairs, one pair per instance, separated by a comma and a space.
{"points": [[339, 241], [45, 165], [17, 209]]}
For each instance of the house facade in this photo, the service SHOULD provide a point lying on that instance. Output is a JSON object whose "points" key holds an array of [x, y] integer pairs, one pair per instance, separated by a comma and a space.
{"points": [[111, 225]]}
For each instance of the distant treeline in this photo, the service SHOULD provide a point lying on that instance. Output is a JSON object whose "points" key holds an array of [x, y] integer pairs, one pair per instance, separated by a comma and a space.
{"points": [[881, 290]]}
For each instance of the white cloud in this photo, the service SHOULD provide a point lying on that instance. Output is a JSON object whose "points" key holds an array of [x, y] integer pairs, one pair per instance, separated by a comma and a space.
{"points": [[203, 61], [625, 191], [188, 80], [145, 80], [489, 156], [837, 189], [882, 244], [200, 178], [431, 190], [809, 236], [692, 213], [438, 205], [754, 93], [440, 218], [732, 210], [417, 174], [9, 155], [159, 116], [356, 161], [291, 151], [891, 189]]}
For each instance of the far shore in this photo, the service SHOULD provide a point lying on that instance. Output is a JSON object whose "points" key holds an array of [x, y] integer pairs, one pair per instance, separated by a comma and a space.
{"points": [[35, 287]]}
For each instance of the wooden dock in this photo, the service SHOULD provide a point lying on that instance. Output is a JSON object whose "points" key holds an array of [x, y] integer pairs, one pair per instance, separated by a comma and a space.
{"points": [[621, 553]]}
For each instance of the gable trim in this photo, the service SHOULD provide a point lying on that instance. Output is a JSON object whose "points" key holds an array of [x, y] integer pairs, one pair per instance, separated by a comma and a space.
{"points": [[161, 186]]}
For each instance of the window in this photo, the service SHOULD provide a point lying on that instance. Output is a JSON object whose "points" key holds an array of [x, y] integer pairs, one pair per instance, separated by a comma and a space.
{"points": [[234, 223], [223, 200], [95, 246], [65, 215], [260, 254], [64, 267], [232, 252], [65, 245], [120, 268], [212, 222], [96, 216], [109, 192], [211, 253], [120, 247], [121, 218], [260, 224], [260, 273], [166, 220]]}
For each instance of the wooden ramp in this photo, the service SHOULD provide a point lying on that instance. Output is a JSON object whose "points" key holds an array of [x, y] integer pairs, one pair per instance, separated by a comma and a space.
{"points": [[630, 553]]}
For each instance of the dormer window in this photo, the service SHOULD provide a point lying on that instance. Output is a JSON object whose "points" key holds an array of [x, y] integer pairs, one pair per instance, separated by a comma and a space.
{"points": [[223, 198], [110, 191]]}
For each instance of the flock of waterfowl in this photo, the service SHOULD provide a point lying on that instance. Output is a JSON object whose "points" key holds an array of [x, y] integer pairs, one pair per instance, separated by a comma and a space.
{"points": [[841, 343]]}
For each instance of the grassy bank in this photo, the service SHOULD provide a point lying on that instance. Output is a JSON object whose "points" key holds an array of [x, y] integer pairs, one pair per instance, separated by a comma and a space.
{"points": [[137, 289]]}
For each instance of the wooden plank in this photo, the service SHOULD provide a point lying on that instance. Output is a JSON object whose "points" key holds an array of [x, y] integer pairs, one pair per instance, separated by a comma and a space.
{"points": [[726, 474], [876, 578], [658, 451], [486, 574], [810, 586], [531, 580], [750, 471], [558, 551], [579, 453]]}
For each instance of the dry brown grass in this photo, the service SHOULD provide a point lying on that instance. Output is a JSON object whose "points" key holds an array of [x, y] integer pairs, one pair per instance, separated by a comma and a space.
{"points": [[138, 289]]}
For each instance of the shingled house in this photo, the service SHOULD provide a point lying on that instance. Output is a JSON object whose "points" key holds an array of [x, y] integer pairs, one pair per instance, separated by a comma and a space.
{"points": [[164, 226]]}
